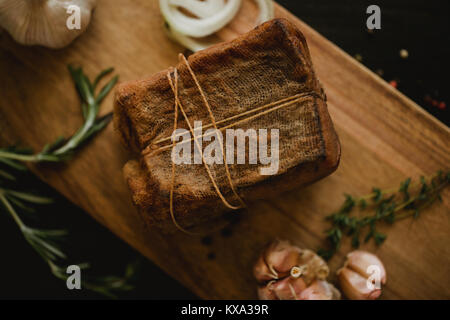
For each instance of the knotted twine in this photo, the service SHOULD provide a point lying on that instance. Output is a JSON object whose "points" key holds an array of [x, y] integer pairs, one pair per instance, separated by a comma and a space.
{"points": [[258, 112]]}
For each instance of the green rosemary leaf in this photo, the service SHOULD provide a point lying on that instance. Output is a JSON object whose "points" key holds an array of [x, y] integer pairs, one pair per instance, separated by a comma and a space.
{"points": [[98, 125], [101, 76], [13, 164], [21, 205], [7, 176], [29, 197], [77, 79], [105, 90], [88, 84], [59, 142], [49, 234], [84, 110], [48, 249], [62, 149]]}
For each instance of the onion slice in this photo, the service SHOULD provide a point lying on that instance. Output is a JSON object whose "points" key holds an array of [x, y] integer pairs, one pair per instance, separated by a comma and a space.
{"points": [[190, 43], [198, 28], [212, 16], [266, 10], [201, 9]]}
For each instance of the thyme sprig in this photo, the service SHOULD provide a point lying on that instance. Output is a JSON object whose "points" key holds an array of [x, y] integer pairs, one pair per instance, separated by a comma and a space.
{"points": [[387, 206], [62, 148]]}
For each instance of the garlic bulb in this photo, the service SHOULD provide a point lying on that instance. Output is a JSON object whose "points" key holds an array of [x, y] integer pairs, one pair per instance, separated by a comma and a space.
{"points": [[50, 23], [286, 272], [361, 276]]}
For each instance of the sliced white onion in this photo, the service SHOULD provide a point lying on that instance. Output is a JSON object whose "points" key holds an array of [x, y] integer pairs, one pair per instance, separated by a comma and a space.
{"points": [[201, 9], [266, 10], [190, 43], [205, 10], [198, 28]]}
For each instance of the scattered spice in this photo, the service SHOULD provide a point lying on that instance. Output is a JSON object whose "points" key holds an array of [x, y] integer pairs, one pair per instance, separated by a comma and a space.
{"points": [[207, 241], [358, 57], [434, 102], [226, 232], [404, 54], [393, 83], [387, 206]]}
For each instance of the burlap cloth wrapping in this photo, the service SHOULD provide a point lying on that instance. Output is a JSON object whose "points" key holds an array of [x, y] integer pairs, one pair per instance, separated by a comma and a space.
{"points": [[268, 64]]}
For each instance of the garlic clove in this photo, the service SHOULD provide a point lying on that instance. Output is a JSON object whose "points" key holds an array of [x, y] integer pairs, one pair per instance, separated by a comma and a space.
{"points": [[289, 288], [262, 272], [314, 266], [44, 22], [361, 262], [280, 257], [266, 292], [291, 271], [354, 285], [320, 290]]}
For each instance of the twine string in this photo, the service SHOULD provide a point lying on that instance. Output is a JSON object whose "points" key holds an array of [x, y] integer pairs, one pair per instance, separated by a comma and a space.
{"points": [[179, 106], [284, 103]]}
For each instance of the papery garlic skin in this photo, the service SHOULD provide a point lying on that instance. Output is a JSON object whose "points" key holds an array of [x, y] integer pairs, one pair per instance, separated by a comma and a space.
{"points": [[360, 261], [287, 272], [356, 278], [320, 290], [43, 22], [276, 261]]}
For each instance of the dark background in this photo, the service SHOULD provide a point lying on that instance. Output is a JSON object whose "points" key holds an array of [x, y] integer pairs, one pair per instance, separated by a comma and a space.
{"points": [[420, 27]]}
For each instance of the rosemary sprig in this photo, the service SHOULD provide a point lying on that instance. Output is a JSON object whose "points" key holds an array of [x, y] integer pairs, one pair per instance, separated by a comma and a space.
{"points": [[387, 206], [48, 244], [63, 148]]}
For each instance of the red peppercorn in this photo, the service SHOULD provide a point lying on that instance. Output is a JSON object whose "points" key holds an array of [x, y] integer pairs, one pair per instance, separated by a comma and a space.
{"points": [[393, 83], [442, 105]]}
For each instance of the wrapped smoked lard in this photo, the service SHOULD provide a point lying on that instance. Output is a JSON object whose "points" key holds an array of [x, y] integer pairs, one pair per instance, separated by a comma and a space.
{"points": [[262, 80]]}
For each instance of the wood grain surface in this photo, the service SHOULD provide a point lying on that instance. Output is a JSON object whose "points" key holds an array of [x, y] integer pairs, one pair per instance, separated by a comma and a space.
{"points": [[385, 137]]}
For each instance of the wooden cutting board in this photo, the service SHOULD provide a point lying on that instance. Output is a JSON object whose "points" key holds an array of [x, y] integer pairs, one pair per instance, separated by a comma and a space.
{"points": [[385, 138]]}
